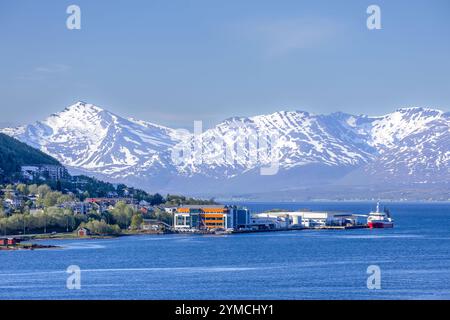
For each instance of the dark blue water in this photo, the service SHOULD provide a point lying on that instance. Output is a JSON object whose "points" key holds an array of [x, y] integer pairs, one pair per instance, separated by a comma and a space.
{"points": [[414, 258]]}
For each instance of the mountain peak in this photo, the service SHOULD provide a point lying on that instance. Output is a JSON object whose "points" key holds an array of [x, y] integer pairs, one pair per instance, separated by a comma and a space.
{"points": [[412, 110], [84, 107]]}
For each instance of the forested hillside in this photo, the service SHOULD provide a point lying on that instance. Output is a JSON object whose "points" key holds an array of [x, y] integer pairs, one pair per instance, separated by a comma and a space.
{"points": [[14, 154]]}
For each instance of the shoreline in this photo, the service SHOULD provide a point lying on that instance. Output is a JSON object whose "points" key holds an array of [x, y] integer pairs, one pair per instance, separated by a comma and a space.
{"points": [[28, 246], [71, 235], [28, 239]]}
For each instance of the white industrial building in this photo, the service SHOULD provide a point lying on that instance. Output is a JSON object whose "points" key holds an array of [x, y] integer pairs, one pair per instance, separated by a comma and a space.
{"points": [[307, 219]]}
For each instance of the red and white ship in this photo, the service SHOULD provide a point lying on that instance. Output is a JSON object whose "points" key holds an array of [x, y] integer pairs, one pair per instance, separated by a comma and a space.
{"points": [[380, 219]]}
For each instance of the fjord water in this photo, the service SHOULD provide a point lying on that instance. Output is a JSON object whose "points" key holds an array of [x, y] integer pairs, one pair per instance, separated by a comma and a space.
{"points": [[414, 259]]}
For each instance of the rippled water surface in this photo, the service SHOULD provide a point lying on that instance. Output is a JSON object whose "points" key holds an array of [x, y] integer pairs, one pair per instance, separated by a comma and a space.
{"points": [[414, 258]]}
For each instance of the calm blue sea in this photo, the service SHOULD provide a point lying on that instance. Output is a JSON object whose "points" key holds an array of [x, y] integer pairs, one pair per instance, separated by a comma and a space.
{"points": [[414, 259]]}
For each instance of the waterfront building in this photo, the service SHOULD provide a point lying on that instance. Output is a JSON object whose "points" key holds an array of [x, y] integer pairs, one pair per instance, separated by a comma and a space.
{"points": [[264, 221], [83, 232], [308, 219], [211, 217], [154, 225], [12, 241]]}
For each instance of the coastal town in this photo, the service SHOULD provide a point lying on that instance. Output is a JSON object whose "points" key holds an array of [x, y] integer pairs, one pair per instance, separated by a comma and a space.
{"points": [[43, 201], [32, 211]]}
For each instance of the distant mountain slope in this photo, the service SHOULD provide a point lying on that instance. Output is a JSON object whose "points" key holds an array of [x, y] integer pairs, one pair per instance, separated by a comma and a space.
{"points": [[14, 154], [409, 146], [304, 139], [418, 154], [93, 140]]}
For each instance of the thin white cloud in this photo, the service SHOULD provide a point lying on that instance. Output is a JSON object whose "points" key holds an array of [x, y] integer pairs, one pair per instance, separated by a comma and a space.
{"points": [[43, 72], [279, 37], [52, 68]]}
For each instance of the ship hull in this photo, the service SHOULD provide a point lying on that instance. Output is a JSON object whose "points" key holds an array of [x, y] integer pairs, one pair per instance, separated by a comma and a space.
{"points": [[380, 225]]}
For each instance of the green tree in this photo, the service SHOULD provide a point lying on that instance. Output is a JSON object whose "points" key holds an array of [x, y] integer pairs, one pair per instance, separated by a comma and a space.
{"points": [[136, 221], [51, 199], [33, 189], [122, 214], [64, 198], [42, 190], [22, 188], [101, 227], [164, 216], [156, 199], [3, 226], [85, 195]]}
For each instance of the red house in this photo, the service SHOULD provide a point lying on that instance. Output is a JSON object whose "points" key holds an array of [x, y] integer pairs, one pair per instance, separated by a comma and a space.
{"points": [[3, 242], [83, 232]]}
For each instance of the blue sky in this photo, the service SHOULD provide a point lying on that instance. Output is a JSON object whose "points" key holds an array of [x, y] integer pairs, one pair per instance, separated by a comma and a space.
{"points": [[172, 62]]}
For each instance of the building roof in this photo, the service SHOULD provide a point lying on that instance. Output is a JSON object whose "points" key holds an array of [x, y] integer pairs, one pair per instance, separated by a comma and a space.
{"points": [[202, 206]]}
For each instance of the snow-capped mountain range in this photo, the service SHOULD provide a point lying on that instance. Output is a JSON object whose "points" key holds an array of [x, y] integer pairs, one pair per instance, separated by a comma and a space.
{"points": [[410, 145]]}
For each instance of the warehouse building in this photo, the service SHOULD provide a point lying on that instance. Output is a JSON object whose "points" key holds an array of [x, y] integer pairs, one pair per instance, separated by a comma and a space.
{"points": [[307, 219]]}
